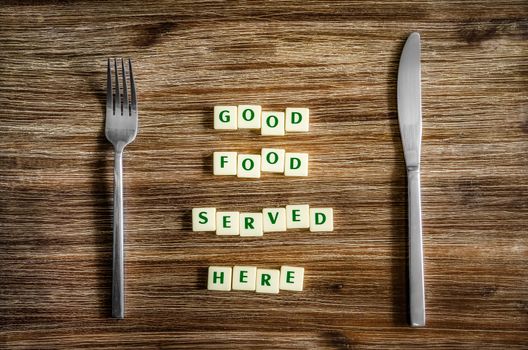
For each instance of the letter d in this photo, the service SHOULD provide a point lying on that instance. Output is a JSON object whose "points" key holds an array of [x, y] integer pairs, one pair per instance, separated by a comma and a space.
{"points": [[320, 218], [295, 163], [296, 117]]}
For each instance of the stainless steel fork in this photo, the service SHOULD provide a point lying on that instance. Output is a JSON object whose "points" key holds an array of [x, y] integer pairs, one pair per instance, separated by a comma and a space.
{"points": [[121, 129]]}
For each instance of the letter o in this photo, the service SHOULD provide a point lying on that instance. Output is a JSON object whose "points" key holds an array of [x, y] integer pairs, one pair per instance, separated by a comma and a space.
{"points": [[251, 113], [244, 164], [269, 160], [276, 121]]}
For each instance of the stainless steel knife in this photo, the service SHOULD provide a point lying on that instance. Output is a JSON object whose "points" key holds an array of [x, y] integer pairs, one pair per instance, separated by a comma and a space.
{"points": [[410, 120]]}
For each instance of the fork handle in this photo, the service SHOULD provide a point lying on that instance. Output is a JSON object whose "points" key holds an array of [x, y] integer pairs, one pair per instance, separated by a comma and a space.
{"points": [[416, 271], [118, 280]]}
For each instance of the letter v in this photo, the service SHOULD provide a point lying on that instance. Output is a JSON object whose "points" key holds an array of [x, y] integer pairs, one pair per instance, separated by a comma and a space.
{"points": [[272, 219]]}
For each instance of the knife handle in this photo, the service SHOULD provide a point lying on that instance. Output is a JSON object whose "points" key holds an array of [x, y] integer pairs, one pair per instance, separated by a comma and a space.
{"points": [[416, 271]]}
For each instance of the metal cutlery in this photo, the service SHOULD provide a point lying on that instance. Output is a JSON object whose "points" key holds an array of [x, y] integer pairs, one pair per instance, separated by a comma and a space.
{"points": [[121, 129], [410, 120]]}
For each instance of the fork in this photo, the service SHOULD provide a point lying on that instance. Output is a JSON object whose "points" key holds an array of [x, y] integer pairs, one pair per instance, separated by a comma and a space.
{"points": [[121, 129]]}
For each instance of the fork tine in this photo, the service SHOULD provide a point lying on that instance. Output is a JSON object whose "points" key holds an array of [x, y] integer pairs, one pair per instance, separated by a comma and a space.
{"points": [[133, 98], [117, 98], [126, 107], [109, 97]]}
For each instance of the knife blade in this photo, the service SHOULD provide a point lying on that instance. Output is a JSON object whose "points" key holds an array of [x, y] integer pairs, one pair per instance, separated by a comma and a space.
{"points": [[410, 120]]}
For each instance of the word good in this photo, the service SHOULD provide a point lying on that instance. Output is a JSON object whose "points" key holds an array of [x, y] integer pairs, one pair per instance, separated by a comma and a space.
{"points": [[271, 160], [269, 123], [233, 223], [250, 278]]}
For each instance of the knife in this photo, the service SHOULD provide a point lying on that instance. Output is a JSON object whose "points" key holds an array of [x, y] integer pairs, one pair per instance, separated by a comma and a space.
{"points": [[410, 120]]}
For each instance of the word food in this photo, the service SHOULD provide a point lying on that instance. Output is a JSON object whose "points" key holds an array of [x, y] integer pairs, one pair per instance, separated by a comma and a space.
{"points": [[271, 160]]}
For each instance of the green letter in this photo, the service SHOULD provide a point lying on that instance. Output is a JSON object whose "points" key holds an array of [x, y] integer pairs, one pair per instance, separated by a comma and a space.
{"points": [[203, 217], [250, 112], [276, 121], [272, 219], [320, 221], [268, 158], [292, 163], [289, 277], [226, 221], [221, 277], [224, 117], [296, 121], [243, 276], [244, 164], [248, 223], [223, 161], [265, 280], [295, 215]]}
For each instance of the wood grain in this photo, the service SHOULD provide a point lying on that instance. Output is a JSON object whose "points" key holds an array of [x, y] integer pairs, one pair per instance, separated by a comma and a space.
{"points": [[339, 58]]}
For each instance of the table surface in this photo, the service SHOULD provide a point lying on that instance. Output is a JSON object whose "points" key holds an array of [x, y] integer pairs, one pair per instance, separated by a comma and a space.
{"points": [[340, 60]]}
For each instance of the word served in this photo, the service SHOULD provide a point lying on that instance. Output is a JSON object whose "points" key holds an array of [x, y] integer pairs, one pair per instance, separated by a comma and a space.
{"points": [[234, 223]]}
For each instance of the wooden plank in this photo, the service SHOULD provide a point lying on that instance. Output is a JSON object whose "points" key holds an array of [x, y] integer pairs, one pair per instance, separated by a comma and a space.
{"points": [[340, 60]]}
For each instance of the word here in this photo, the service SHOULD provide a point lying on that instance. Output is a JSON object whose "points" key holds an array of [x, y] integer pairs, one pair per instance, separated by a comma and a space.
{"points": [[271, 160], [251, 278], [269, 123], [233, 223]]}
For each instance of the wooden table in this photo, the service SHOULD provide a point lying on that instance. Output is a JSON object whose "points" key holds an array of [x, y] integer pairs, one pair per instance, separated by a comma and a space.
{"points": [[340, 60]]}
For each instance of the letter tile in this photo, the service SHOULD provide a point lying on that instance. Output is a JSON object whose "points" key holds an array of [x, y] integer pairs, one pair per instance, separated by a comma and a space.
{"points": [[225, 163], [248, 166], [204, 219], [225, 117], [298, 216], [244, 277], [268, 281], [272, 124], [251, 224], [274, 219], [219, 278], [273, 160], [321, 219], [296, 164], [291, 278], [297, 119], [227, 223], [249, 116]]}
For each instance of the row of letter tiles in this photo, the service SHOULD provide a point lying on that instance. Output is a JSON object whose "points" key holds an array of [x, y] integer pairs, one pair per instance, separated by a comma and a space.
{"points": [[227, 223], [226, 278], [271, 160], [269, 123]]}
